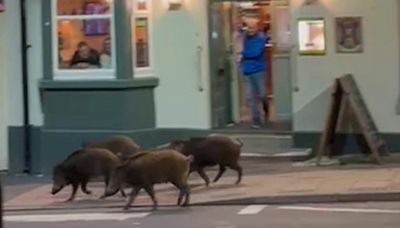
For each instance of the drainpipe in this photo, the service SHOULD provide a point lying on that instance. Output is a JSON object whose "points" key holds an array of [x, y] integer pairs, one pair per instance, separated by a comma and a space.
{"points": [[24, 53]]}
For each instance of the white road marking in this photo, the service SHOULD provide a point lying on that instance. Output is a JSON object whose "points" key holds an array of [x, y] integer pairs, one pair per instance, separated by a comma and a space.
{"points": [[252, 209], [328, 209], [74, 217]]}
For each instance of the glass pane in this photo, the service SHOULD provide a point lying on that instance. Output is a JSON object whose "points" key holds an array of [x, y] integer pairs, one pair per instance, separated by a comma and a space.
{"points": [[84, 44], [83, 7], [142, 42]]}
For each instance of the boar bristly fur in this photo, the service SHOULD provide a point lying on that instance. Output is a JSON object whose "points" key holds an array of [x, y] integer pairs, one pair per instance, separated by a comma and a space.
{"points": [[211, 151], [146, 169], [81, 166], [120, 145]]}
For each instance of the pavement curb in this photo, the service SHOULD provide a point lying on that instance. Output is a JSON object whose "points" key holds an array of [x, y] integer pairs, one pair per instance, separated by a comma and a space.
{"points": [[309, 199], [272, 200]]}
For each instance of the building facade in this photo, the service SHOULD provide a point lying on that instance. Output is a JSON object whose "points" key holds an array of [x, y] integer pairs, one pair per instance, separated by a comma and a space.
{"points": [[156, 66]]}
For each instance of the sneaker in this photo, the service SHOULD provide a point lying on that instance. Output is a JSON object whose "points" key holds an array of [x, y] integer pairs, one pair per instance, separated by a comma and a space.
{"points": [[255, 126]]}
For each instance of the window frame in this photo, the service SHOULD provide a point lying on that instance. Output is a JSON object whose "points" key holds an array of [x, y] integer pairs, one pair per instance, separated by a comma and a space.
{"points": [[148, 14], [82, 74]]}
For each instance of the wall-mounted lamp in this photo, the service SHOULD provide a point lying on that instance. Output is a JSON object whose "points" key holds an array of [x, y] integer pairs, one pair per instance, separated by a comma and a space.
{"points": [[174, 4]]}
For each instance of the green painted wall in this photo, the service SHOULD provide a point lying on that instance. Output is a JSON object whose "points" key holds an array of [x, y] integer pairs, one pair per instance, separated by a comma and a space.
{"points": [[177, 35], [95, 107], [375, 69]]}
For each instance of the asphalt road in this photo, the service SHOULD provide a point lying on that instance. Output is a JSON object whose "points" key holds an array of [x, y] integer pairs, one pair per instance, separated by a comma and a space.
{"points": [[362, 215]]}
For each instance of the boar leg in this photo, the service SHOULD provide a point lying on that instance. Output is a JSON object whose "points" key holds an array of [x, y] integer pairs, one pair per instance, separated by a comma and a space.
{"points": [[181, 192], [184, 191], [239, 170], [187, 197], [74, 189], [84, 188], [221, 171], [203, 175], [122, 192], [106, 180], [134, 193], [150, 190]]}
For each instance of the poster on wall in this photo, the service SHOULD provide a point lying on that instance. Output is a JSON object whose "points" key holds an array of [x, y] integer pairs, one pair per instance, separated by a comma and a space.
{"points": [[141, 5], [349, 35], [312, 36], [2, 7]]}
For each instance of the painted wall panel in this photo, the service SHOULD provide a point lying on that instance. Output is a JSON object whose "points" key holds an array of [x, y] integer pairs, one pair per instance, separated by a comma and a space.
{"points": [[177, 35], [376, 69]]}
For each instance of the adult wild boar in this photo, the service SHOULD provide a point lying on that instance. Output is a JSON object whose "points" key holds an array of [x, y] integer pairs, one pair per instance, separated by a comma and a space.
{"points": [[211, 151], [120, 145], [145, 169], [81, 166]]}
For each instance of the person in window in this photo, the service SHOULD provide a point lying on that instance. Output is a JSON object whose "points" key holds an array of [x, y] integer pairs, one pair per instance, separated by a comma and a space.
{"points": [[85, 57], [105, 57], [253, 66]]}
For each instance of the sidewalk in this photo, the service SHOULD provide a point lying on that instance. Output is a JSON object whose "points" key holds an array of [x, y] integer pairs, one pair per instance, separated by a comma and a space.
{"points": [[264, 183]]}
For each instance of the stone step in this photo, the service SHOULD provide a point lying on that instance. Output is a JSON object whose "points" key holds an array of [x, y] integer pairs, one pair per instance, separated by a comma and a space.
{"points": [[267, 144], [293, 154]]}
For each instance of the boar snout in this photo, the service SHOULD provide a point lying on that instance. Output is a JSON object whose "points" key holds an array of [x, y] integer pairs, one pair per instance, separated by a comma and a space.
{"points": [[56, 189]]}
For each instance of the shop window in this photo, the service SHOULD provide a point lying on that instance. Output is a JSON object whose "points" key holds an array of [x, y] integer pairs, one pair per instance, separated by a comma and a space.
{"points": [[83, 33], [141, 35], [142, 42]]}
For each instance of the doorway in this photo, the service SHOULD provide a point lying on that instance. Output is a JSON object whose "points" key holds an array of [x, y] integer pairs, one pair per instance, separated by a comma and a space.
{"points": [[229, 108]]}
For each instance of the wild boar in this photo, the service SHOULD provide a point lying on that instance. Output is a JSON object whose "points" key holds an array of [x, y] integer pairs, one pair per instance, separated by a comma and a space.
{"points": [[120, 145], [211, 151], [145, 169], [81, 166]]}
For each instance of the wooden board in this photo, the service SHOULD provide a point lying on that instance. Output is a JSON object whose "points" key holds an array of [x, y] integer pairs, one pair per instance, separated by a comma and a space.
{"points": [[327, 137], [346, 88]]}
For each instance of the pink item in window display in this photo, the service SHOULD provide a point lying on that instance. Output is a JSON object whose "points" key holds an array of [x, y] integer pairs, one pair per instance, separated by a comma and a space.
{"points": [[2, 6]]}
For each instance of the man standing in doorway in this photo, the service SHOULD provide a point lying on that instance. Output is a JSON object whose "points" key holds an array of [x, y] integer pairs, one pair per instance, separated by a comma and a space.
{"points": [[253, 66]]}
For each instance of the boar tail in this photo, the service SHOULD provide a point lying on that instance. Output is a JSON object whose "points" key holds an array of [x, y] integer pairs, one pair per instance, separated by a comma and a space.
{"points": [[190, 158], [240, 142]]}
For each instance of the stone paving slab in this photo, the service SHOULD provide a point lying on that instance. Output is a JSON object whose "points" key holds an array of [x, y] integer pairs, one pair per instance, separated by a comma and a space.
{"points": [[303, 186]]}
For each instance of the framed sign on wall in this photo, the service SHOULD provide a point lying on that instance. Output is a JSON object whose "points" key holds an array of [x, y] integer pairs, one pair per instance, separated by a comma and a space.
{"points": [[349, 35], [312, 38]]}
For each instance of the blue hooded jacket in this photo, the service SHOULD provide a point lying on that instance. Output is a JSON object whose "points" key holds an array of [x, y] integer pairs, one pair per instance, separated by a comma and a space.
{"points": [[253, 60]]}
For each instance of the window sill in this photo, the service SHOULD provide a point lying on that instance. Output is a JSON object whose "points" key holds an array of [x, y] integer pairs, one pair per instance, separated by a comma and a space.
{"points": [[144, 73], [148, 82]]}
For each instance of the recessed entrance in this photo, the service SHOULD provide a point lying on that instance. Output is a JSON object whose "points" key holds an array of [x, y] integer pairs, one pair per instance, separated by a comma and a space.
{"points": [[229, 107]]}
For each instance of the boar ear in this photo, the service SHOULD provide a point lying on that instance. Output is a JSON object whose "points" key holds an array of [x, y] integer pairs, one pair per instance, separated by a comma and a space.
{"points": [[59, 168], [119, 155], [121, 165]]}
